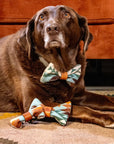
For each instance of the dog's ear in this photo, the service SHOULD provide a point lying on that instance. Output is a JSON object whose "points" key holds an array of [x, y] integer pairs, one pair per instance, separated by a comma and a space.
{"points": [[29, 37], [26, 38], [86, 36]]}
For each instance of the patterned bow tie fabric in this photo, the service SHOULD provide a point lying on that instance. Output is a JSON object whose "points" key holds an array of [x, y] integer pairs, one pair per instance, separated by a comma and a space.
{"points": [[51, 74], [37, 109]]}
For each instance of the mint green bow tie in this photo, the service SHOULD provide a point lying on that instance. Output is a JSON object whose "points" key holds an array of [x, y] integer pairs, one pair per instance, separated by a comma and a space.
{"points": [[51, 74], [37, 109]]}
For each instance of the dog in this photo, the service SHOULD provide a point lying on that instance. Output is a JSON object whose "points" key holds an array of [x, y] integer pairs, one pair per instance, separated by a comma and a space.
{"points": [[53, 35]]}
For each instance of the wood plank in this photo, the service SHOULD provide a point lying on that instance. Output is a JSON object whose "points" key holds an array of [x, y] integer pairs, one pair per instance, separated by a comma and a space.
{"points": [[23, 21], [9, 29], [101, 21], [102, 46], [22, 10]]}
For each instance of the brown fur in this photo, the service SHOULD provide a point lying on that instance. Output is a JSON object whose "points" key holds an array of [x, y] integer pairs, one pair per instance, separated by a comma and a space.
{"points": [[21, 67]]}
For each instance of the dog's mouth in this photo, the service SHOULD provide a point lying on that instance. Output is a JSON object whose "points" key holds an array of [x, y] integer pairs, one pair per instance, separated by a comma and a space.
{"points": [[58, 55], [55, 48], [57, 52], [54, 44]]}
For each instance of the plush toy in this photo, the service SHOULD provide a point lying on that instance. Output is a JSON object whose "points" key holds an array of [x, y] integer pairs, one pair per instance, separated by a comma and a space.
{"points": [[37, 109]]}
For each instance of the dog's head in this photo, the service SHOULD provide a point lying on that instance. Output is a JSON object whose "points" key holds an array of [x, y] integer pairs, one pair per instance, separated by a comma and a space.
{"points": [[55, 33]]}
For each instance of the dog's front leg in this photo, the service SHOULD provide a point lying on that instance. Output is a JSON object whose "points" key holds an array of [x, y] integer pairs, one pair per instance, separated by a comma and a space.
{"points": [[86, 114], [94, 101], [29, 91]]}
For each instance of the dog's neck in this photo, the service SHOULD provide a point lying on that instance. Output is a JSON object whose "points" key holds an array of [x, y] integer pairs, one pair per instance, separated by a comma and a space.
{"points": [[45, 63]]}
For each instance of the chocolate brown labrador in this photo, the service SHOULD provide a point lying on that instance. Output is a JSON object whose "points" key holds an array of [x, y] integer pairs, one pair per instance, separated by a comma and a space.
{"points": [[52, 35]]}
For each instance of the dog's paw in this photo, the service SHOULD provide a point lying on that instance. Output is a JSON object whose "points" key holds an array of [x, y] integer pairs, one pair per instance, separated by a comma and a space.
{"points": [[109, 120], [110, 126]]}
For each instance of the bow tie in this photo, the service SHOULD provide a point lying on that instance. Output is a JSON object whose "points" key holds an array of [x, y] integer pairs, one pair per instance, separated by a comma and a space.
{"points": [[37, 109], [51, 74]]}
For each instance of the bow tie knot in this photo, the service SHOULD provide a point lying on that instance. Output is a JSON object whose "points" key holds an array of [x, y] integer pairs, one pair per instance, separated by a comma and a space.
{"points": [[51, 74], [64, 76]]}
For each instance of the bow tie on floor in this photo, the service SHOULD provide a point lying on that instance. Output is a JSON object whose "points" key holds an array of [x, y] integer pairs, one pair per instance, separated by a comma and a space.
{"points": [[51, 74], [37, 109]]}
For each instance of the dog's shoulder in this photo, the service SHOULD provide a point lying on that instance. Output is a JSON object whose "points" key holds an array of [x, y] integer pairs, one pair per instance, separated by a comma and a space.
{"points": [[10, 39]]}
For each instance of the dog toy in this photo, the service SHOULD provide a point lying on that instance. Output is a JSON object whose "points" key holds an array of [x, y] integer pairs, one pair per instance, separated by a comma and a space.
{"points": [[37, 109], [51, 74]]}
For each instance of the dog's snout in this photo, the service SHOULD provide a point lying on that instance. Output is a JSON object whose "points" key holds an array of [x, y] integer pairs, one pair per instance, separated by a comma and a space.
{"points": [[53, 29]]}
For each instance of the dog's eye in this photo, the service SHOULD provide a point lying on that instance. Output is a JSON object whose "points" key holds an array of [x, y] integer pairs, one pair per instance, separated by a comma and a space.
{"points": [[41, 17], [67, 15]]}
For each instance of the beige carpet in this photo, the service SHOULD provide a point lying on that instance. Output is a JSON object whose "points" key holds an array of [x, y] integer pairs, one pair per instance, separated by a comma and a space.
{"points": [[53, 133]]}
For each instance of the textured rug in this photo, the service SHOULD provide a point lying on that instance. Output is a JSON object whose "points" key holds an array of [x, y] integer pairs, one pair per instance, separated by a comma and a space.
{"points": [[45, 132], [104, 92], [6, 141], [53, 133]]}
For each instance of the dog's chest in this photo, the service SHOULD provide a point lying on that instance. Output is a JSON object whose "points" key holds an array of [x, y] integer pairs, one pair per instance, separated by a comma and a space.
{"points": [[58, 90]]}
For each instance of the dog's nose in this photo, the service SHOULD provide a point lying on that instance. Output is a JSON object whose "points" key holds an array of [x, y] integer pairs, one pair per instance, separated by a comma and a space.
{"points": [[53, 29]]}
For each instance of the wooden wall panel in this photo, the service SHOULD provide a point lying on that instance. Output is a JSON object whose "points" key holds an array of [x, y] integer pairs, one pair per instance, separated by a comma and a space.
{"points": [[102, 46], [100, 14], [22, 10], [9, 29]]}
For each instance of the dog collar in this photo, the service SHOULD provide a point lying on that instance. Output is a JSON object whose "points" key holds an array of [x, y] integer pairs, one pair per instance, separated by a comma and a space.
{"points": [[45, 63]]}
